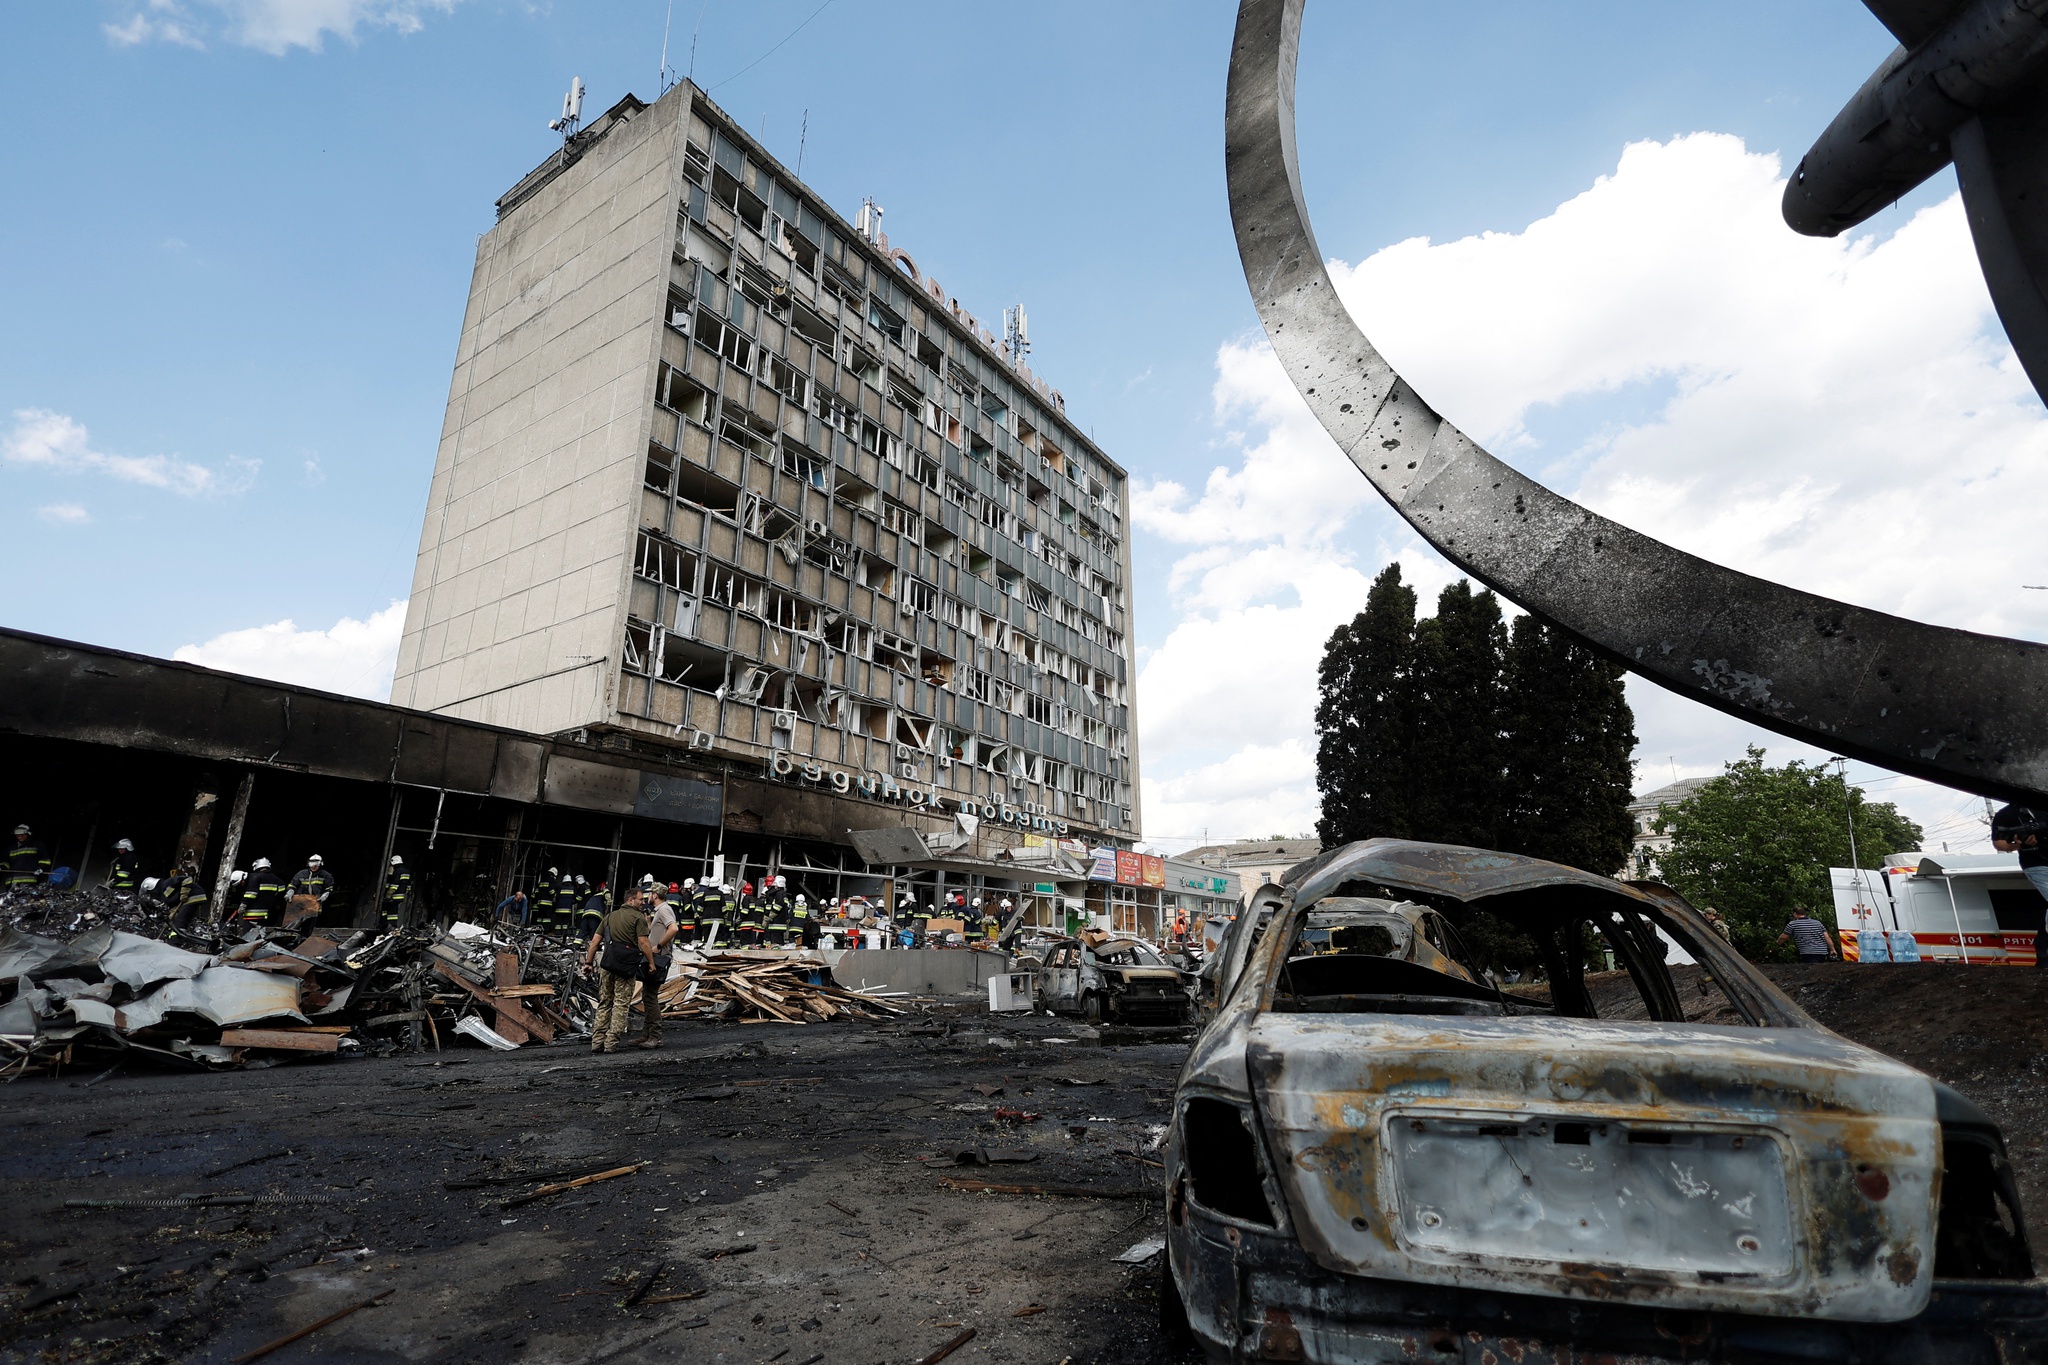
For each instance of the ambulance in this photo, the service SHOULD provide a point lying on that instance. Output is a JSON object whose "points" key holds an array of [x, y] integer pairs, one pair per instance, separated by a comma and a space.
{"points": [[1938, 907]]}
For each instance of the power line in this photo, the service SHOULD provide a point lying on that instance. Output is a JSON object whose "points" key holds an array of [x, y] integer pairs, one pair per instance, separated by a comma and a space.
{"points": [[773, 50]]}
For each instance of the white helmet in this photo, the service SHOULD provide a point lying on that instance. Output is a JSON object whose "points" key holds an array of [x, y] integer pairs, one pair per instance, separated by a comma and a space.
{"points": [[315, 860], [259, 864], [726, 887], [396, 860], [646, 880], [149, 883], [800, 898], [977, 900], [21, 829], [782, 881], [236, 878], [554, 872], [126, 846], [1006, 902], [689, 882]]}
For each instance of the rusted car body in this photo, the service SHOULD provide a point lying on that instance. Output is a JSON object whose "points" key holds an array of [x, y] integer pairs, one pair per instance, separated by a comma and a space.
{"points": [[1108, 978], [1372, 1160]]}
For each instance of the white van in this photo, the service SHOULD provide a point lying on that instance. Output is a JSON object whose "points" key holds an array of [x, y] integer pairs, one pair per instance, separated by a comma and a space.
{"points": [[1958, 907]]}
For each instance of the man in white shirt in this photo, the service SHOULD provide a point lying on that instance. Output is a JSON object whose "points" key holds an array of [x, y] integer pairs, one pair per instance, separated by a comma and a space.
{"points": [[661, 934]]}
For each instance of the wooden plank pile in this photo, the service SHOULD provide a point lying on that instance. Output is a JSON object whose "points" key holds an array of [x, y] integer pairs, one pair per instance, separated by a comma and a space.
{"points": [[762, 988]]}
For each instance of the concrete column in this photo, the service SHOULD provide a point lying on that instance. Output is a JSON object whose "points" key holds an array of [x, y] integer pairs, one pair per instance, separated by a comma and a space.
{"points": [[233, 845]]}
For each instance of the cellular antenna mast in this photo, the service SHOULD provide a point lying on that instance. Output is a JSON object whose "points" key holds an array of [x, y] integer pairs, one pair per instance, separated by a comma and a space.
{"points": [[572, 111], [1017, 333], [667, 81]]}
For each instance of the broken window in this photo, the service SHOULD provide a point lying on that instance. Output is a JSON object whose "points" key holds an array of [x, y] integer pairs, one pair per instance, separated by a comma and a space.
{"points": [[864, 366], [785, 378], [1037, 709], [919, 597], [808, 324], [718, 336], [885, 320], [834, 413], [666, 563], [675, 390], [705, 489], [929, 355]]}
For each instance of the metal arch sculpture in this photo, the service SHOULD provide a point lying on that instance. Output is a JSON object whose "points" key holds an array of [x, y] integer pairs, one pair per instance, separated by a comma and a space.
{"points": [[1953, 706]]}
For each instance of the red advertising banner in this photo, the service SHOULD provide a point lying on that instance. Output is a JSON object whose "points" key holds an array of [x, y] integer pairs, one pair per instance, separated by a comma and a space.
{"points": [[1154, 869], [1129, 869]]}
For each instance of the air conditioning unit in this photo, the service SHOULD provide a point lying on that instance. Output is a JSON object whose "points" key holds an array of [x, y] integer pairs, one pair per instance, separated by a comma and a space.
{"points": [[907, 770], [817, 529], [1016, 779], [700, 739], [903, 753], [785, 720]]}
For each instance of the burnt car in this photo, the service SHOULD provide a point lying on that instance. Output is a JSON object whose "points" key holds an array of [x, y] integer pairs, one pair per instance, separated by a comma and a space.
{"points": [[1376, 1157], [1110, 978]]}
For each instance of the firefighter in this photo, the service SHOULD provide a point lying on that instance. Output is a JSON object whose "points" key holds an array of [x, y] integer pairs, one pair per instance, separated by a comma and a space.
{"points": [[122, 873], [189, 898], [263, 894], [28, 865], [748, 933], [596, 905], [970, 921], [775, 911], [686, 900], [313, 880], [920, 924], [545, 891], [992, 927], [169, 890], [726, 910], [397, 894]]}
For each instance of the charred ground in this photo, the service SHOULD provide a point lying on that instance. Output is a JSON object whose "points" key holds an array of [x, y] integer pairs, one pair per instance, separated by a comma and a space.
{"points": [[794, 1190]]}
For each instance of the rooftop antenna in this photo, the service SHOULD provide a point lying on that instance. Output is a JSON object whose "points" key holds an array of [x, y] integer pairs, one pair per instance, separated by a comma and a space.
{"points": [[667, 79], [868, 223], [803, 136], [572, 111], [693, 39], [1017, 333]]}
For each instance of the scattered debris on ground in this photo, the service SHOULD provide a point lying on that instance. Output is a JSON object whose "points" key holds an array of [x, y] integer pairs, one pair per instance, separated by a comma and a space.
{"points": [[755, 987]]}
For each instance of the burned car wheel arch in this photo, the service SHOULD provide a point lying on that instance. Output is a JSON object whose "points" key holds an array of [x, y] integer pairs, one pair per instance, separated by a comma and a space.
{"points": [[1417, 1153]]}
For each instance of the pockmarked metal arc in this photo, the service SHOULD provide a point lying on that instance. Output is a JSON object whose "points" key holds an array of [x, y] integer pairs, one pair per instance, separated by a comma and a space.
{"points": [[1952, 706]]}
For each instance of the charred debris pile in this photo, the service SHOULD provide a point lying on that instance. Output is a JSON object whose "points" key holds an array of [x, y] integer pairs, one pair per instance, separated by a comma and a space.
{"points": [[93, 980]]}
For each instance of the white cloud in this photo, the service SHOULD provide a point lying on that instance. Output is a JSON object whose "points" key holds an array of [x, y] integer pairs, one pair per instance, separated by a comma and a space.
{"points": [[273, 26], [64, 514], [50, 440], [352, 657], [1840, 415]]}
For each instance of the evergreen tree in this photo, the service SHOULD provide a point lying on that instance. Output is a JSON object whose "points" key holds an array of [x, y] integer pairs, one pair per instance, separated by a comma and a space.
{"points": [[1456, 792], [1568, 733], [1364, 718]]}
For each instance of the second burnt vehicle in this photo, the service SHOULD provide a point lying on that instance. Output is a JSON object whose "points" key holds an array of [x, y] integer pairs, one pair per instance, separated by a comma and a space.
{"points": [[1379, 1154], [1112, 978]]}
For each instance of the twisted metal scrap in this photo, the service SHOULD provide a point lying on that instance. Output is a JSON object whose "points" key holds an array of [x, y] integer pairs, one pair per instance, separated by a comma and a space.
{"points": [[1963, 709]]}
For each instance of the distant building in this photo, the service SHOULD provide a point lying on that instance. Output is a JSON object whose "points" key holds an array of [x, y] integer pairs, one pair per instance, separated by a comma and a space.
{"points": [[1642, 815], [1255, 862]]}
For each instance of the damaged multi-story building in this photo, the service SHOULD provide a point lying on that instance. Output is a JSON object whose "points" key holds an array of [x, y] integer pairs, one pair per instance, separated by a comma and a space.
{"points": [[730, 483]]}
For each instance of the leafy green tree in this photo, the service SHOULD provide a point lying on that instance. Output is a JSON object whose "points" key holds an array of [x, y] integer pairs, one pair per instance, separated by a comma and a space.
{"points": [[1364, 718], [1568, 733], [1758, 840]]}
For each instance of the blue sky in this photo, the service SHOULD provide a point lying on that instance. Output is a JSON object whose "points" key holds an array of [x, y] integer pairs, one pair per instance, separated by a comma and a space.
{"points": [[243, 240]]}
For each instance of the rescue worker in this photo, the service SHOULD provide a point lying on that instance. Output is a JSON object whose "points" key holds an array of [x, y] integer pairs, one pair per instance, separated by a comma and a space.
{"points": [[920, 924], [125, 871], [313, 880], [397, 894], [748, 921], [775, 912], [188, 904], [263, 894], [993, 927], [28, 865], [970, 921], [169, 891], [628, 957], [686, 902], [544, 893], [804, 922], [514, 909], [661, 935], [596, 905]]}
